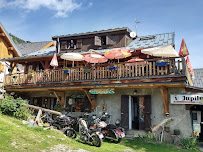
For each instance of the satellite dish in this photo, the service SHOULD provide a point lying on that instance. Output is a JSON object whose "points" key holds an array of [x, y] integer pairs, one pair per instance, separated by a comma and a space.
{"points": [[133, 34]]}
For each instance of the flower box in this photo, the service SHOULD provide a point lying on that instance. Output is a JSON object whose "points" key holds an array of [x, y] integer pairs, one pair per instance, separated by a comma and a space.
{"points": [[113, 68], [66, 71], [87, 70], [161, 63]]}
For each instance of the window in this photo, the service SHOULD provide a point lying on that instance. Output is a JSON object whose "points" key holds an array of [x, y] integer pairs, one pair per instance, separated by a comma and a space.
{"points": [[71, 44], [103, 40]]}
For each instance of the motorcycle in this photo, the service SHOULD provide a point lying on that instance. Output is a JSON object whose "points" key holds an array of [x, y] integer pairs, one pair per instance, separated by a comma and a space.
{"points": [[110, 131], [87, 136], [64, 123]]}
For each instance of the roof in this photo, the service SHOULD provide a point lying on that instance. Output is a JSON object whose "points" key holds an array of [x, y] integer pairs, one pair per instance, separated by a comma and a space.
{"points": [[30, 47], [10, 40], [198, 80], [152, 41], [94, 32]]}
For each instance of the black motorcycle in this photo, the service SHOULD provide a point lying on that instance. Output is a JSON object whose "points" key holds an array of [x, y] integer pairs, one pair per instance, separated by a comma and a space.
{"points": [[64, 123]]}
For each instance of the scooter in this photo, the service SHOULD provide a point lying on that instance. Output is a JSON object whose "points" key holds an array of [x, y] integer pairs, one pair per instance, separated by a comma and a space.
{"points": [[110, 131], [87, 136]]}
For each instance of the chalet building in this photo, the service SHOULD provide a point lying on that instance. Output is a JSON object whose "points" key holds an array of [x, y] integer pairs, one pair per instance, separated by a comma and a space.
{"points": [[142, 93], [8, 49]]}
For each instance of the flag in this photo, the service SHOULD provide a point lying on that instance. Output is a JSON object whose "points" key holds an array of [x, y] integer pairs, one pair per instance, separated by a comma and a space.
{"points": [[189, 65], [183, 49]]}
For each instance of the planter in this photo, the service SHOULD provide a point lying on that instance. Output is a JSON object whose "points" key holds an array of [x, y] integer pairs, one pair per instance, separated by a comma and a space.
{"points": [[161, 63], [112, 68], [77, 110], [87, 70], [66, 71]]}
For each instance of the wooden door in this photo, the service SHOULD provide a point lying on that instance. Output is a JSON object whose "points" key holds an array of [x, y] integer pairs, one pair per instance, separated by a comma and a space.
{"points": [[147, 112], [125, 111]]}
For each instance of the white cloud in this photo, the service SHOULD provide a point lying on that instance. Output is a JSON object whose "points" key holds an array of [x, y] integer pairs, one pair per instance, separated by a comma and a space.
{"points": [[62, 7]]}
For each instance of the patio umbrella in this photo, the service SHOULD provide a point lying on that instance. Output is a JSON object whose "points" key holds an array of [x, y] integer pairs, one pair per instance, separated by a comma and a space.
{"points": [[162, 51], [94, 58], [117, 53], [54, 61], [72, 57], [135, 60], [183, 49]]}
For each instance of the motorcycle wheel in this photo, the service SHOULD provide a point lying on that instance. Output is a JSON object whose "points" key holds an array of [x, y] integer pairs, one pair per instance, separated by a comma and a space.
{"points": [[119, 140], [70, 133], [96, 140]]}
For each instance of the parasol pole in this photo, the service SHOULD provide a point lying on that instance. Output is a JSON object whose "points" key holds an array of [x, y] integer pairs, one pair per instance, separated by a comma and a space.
{"points": [[118, 70]]}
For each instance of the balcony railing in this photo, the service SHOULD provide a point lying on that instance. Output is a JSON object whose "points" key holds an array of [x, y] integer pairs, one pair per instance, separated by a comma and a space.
{"points": [[122, 71]]}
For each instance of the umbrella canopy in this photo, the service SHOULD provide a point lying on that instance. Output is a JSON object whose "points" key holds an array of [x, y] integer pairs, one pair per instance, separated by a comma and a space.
{"points": [[163, 51], [54, 61], [117, 53], [183, 49], [72, 56], [135, 60], [94, 58]]}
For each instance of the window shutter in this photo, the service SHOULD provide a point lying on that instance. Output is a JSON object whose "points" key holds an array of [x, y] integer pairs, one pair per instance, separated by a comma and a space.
{"points": [[97, 40], [64, 45], [109, 40], [79, 44]]}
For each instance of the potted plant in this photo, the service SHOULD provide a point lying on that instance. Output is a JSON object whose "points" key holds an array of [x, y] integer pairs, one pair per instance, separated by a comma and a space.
{"points": [[161, 62], [66, 70]]}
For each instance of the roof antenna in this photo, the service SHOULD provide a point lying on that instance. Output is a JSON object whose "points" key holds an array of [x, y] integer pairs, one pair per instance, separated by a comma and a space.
{"points": [[136, 22], [133, 34]]}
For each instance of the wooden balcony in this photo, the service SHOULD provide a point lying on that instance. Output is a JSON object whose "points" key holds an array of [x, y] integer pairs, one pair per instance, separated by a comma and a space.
{"points": [[122, 71]]}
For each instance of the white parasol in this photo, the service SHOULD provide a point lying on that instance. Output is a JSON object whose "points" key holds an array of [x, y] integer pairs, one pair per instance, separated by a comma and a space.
{"points": [[72, 57], [162, 51]]}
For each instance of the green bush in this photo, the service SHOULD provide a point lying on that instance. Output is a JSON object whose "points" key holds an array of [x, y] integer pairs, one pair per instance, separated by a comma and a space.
{"points": [[13, 107], [148, 137], [188, 143], [22, 113]]}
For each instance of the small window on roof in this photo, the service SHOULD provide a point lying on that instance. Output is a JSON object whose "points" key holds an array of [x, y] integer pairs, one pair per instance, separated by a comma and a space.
{"points": [[147, 38]]}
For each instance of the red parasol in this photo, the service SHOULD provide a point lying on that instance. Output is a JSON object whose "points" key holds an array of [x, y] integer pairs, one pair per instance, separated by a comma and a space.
{"points": [[135, 60], [183, 49], [54, 61], [94, 58], [117, 53]]}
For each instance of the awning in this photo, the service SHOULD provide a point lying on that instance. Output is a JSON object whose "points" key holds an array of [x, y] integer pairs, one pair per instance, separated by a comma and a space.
{"points": [[162, 51]]}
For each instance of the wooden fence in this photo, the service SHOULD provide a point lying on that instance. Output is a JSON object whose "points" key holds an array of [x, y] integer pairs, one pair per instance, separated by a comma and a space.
{"points": [[147, 69]]}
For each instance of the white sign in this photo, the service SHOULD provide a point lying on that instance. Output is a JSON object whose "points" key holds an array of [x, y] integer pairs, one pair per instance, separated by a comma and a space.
{"points": [[187, 98]]}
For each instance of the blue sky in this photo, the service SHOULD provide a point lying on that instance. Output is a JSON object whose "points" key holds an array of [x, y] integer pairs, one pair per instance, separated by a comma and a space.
{"points": [[39, 20]]}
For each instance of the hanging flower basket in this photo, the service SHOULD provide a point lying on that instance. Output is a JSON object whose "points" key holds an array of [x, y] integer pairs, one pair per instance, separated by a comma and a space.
{"points": [[161, 63], [87, 70], [66, 70]]}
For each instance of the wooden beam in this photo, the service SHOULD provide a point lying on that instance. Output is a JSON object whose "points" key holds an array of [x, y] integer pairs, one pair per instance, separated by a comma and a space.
{"points": [[2, 34], [10, 48], [164, 93], [47, 65], [42, 64], [63, 95], [57, 97], [90, 100]]}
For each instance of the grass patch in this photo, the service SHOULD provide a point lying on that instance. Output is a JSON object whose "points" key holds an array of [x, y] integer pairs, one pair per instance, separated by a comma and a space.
{"points": [[14, 136]]}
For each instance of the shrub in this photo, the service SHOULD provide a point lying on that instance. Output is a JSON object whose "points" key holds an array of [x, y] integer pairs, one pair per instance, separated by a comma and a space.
{"points": [[148, 136], [188, 143], [22, 113], [13, 107]]}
